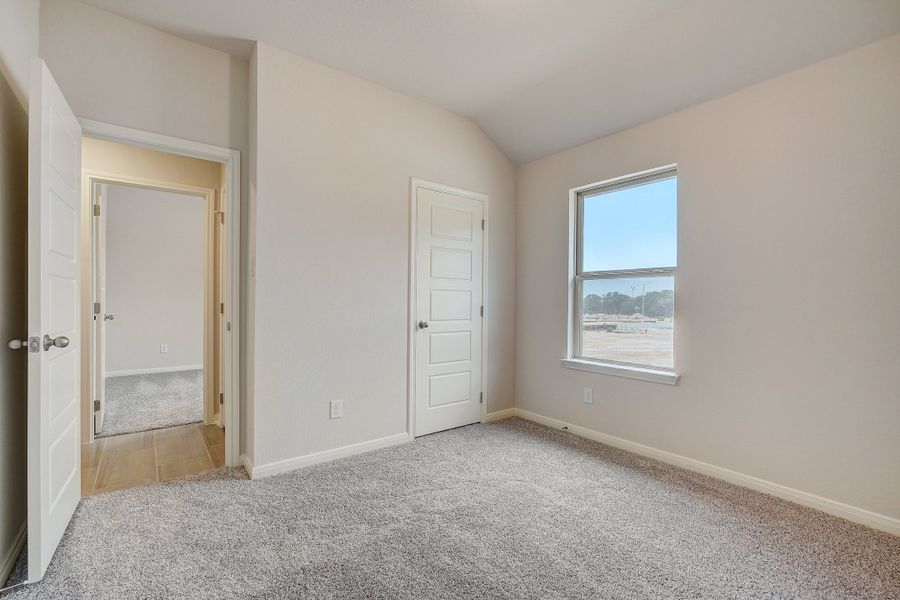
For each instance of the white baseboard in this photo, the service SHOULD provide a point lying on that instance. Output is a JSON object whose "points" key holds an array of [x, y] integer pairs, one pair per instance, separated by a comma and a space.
{"points": [[832, 507], [12, 555], [290, 464], [174, 369], [500, 414]]}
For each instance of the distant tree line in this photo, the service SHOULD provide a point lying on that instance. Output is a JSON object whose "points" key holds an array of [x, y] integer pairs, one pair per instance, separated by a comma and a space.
{"points": [[656, 304]]}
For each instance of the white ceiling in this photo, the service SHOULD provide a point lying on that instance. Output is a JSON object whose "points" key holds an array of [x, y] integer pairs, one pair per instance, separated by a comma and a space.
{"points": [[539, 76]]}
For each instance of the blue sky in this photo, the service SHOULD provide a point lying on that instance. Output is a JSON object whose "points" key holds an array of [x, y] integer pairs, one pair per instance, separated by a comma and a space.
{"points": [[631, 228]]}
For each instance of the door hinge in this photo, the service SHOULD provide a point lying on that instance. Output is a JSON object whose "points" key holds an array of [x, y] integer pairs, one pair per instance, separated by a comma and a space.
{"points": [[221, 216], [481, 398], [221, 398], [221, 308], [482, 311], [482, 224], [96, 210], [96, 406]]}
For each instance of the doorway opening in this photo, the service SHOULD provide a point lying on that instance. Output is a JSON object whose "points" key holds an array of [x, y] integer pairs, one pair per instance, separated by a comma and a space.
{"points": [[152, 269], [158, 347]]}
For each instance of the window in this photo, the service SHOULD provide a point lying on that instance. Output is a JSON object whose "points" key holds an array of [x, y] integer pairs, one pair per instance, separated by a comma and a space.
{"points": [[623, 284]]}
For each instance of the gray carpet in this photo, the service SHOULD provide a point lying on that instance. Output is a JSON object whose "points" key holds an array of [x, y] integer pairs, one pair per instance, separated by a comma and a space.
{"points": [[505, 510], [152, 401]]}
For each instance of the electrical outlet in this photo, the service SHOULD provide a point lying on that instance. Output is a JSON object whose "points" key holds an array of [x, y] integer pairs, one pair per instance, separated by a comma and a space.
{"points": [[588, 396], [163, 348], [336, 409]]}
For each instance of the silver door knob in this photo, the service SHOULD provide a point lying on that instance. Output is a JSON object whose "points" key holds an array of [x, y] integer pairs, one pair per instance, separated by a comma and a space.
{"points": [[16, 344], [57, 342], [423, 324], [109, 317]]}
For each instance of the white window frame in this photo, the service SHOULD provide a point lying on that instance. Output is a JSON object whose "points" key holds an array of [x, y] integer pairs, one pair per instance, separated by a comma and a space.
{"points": [[577, 276]]}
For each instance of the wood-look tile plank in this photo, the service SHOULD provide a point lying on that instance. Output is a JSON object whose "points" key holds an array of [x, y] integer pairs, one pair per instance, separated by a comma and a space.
{"points": [[217, 453], [129, 442], [90, 454], [88, 477], [173, 431], [126, 469], [182, 445], [183, 468], [212, 434], [134, 459]]}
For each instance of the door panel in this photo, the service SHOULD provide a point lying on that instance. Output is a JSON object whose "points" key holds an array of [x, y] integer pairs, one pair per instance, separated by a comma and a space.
{"points": [[54, 209], [98, 231], [450, 347], [451, 264], [448, 280], [449, 305]]}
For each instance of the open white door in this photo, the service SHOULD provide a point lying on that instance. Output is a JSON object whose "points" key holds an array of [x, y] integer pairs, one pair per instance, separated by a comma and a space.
{"points": [[54, 207], [98, 230], [219, 263]]}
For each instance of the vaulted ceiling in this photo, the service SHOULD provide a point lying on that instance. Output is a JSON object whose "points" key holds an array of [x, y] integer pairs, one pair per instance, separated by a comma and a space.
{"points": [[539, 76]]}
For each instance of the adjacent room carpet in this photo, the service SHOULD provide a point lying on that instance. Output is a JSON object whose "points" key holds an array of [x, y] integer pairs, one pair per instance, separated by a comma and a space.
{"points": [[503, 510], [152, 401]]}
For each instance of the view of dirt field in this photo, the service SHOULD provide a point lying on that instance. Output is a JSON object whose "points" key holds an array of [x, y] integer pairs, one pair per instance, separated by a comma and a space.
{"points": [[651, 346]]}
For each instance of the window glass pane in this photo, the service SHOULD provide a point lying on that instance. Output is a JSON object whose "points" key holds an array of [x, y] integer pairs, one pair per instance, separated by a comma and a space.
{"points": [[631, 228], [629, 320]]}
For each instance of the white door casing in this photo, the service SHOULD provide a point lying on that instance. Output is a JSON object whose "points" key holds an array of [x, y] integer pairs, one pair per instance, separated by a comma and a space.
{"points": [[231, 160], [54, 217], [447, 319]]}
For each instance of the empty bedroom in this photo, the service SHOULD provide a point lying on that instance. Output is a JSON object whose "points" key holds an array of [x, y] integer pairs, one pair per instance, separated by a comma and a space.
{"points": [[454, 299]]}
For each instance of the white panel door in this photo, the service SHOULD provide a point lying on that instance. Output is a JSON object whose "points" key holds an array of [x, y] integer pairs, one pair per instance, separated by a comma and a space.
{"points": [[98, 195], [54, 229], [447, 339], [219, 262]]}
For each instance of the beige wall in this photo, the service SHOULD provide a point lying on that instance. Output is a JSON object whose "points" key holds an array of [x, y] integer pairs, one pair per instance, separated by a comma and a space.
{"points": [[111, 158], [118, 71], [19, 25], [787, 286], [155, 279], [334, 155], [18, 43], [13, 314]]}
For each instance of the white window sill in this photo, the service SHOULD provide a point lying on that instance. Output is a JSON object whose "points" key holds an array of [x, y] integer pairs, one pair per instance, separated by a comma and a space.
{"points": [[644, 374]]}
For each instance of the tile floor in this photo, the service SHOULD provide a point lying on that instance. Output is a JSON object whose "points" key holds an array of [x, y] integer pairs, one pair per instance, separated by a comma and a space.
{"points": [[133, 459]]}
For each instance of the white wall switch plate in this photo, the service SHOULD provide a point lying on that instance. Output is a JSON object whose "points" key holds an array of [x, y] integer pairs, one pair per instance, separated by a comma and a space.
{"points": [[163, 348], [336, 409], [588, 396]]}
